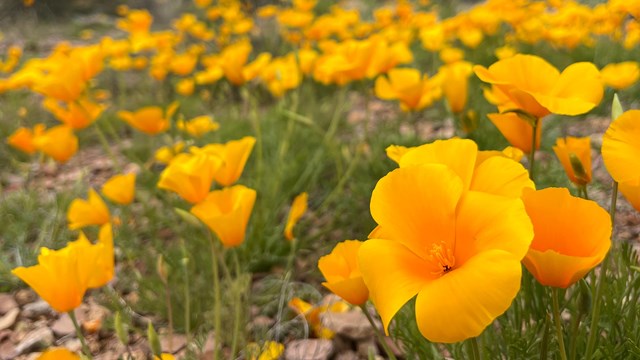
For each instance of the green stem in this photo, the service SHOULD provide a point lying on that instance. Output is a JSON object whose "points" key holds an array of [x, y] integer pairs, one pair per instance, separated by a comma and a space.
{"points": [[107, 148], [556, 318], [238, 308], [378, 333], [217, 301], [575, 331], [532, 153], [292, 254], [544, 345], [473, 348], [85, 348], [187, 294], [600, 288], [167, 293]]}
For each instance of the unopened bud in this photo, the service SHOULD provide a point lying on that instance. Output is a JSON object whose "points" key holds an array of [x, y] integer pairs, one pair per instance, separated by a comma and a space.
{"points": [[616, 107], [578, 169], [121, 329], [162, 269], [154, 341]]}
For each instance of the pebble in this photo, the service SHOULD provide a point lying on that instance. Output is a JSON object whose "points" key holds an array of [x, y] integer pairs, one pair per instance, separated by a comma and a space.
{"points": [[7, 303], [63, 326], [309, 349], [9, 318], [352, 324], [38, 339], [37, 309]]}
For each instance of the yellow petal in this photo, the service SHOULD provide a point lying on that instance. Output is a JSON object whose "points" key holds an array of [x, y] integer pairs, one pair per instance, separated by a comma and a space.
{"points": [[393, 275], [518, 132], [577, 90], [501, 176], [457, 154], [463, 302], [427, 216], [621, 148]]}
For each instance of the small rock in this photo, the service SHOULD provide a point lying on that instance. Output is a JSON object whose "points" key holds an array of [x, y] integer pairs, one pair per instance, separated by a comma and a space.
{"points": [[63, 326], [7, 303], [9, 318], [262, 321], [73, 345], [174, 344], [25, 296], [38, 339], [37, 309], [352, 324], [348, 355], [367, 347], [208, 349], [309, 349]]}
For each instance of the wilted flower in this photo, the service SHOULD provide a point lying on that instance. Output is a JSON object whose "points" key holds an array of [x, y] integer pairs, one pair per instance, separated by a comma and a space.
{"points": [[340, 269], [298, 208], [572, 236], [226, 212]]}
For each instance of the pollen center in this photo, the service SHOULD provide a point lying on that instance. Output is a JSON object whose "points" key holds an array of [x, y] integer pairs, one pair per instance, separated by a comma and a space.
{"points": [[441, 256]]}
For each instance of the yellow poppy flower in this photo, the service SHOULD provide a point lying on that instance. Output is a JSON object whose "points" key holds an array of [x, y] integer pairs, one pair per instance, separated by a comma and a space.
{"points": [[442, 243], [620, 75], [58, 142], [572, 236], [298, 208], [23, 138], [164, 356], [226, 212], [340, 269], [198, 126], [413, 90], [78, 114], [455, 81], [580, 148], [58, 354], [538, 88], [92, 211], [120, 188], [151, 120], [104, 265], [631, 193], [233, 154], [271, 350], [621, 148], [62, 276], [190, 176], [312, 314], [516, 130], [165, 154]]}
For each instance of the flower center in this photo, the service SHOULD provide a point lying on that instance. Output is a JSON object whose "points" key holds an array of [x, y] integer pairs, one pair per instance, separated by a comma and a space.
{"points": [[441, 256]]}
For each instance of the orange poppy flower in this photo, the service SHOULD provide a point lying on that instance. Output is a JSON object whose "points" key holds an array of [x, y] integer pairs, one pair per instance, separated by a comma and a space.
{"points": [[578, 149], [538, 88], [151, 120], [58, 354], [190, 176], [413, 90], [455, 81], [441, 243], [342, 272], [77, 114], [298, 208], [58, 142], [23, 138], [620, 75], [517, 131], [572, 236], [234, 155], [226, 212], [93, 211], [120, 188]]}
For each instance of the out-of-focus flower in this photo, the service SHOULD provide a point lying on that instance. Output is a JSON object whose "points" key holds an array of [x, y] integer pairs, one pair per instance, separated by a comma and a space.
{"points": [[455, 81], [58, 354], [575, 156], [234, 155], [77, 114], [270, 350], [104, 266], [92, 211], [313, 313], [58, 142], [120, 188], [23, 138], [298, 208], [226, 212], [620, 75], [151, 120], [413, 90], [165, 154], [516, 130], [572, 236], [198, 126], [190, 176], [621, 148], [342, 273], [533, 85], [61, 277]]}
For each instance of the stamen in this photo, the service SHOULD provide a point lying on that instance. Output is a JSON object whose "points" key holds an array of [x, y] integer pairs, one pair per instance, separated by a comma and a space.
{"points": [[441, 256]]}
